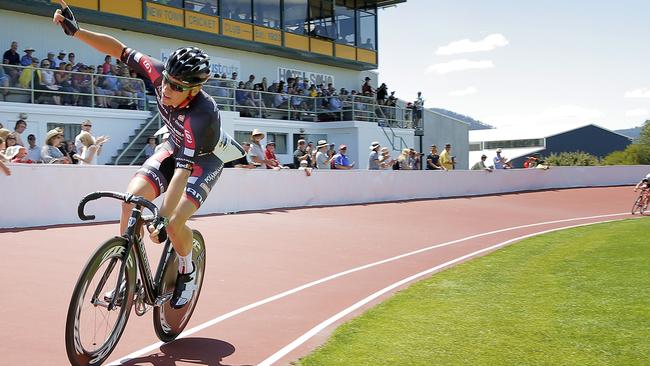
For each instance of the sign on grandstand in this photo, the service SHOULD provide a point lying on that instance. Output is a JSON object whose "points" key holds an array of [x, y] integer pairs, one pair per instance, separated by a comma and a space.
{"points": [[218, 65], [314, 77]]}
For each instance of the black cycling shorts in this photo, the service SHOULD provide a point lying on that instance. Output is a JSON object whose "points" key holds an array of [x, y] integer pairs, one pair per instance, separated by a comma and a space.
{"points": [[158, 170]]}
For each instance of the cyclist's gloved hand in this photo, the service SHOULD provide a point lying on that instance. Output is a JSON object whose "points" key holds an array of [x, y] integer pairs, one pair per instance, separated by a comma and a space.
{"points": [[158, 231], [66, 19]]}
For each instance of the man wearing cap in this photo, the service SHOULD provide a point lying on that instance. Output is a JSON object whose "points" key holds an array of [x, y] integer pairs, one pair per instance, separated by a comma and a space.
{"points": [[341, 160], [301, 154], [373, 158], [499, 161], [366, 89], [446, 159], [26, 60], [56, 62], [480, 165], [433, 159], [322, 161]]}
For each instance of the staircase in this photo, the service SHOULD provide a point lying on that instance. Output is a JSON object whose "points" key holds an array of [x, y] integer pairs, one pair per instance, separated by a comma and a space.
{"points": [[397, 142], [132, 152]]}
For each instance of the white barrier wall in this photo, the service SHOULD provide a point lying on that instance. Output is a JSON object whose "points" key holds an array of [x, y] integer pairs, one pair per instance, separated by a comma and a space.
{"points": [[36, 195]]}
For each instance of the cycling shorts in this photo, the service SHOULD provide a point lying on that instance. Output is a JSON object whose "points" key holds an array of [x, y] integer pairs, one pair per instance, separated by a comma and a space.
{"points": [[158, 170]]}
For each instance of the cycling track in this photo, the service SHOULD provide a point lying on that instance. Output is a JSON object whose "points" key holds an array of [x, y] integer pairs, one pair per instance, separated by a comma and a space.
{"points": [[279, 281]]}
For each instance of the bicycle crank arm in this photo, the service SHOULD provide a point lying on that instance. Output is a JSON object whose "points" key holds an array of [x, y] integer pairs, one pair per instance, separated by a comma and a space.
{"points": [[163, 299]]}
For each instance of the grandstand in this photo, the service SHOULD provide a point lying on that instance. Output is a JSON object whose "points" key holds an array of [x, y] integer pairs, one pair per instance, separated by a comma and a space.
{"points": [[319, 42]]}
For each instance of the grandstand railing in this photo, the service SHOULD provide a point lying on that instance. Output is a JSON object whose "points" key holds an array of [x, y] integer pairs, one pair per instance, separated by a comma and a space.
{"points": [[262, 104], [18, 82]]}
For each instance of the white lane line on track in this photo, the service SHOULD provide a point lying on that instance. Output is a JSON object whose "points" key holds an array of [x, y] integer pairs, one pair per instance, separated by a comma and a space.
{"points": [[254, 305], [315, 330]]}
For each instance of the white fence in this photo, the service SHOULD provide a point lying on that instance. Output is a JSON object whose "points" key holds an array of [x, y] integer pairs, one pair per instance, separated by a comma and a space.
{"points": [[36, 195]]}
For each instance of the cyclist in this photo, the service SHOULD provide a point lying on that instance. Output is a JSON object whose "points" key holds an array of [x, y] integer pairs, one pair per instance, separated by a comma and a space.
{"points": [[644, 185], [185, 167]]}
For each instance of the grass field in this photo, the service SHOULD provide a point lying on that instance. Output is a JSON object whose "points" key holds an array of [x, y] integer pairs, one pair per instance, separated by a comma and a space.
{"points": [[575, 297]]}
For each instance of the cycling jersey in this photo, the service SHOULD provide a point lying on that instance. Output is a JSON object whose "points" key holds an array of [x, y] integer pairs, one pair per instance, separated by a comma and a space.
{"points": [[194, 129]]}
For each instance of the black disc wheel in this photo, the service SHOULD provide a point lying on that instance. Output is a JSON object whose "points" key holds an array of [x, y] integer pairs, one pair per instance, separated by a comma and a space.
{"points": [[92, 330], [167, 321]]}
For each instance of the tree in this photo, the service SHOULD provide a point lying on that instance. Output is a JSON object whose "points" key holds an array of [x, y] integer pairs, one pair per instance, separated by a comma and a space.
{"points": [[644, 137], [635, 154], [576, 158]]}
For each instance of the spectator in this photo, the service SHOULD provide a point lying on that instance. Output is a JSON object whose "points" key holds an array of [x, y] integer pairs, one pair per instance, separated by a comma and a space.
{"points": [[33, 151], [373, 159], [81, 82], [500, 162], [18, 154], [244, 161], [480, 165], [50, 58], [71, 151], [341, 160], [44, 80], [281, 100], [301, 154], [403, 160], [86, 126], [107, 67], [11, 57], [382, 92], [331, 151], [4, 82], [273, 162], [542, 165], [26, 60], [50, 153], [531, 162], [138, 89], [385, 161], [304, 166], [90, 149], [27, 75], [256, 153], [418, 106], [322, 161], [60, 59], [446, 160], [71, 61], [10, 140], [234, 75], [150, 147], [251, 81], [414, 159], [3, 148], [366, 88], [433, 160], [63, 79], [19, 128]]}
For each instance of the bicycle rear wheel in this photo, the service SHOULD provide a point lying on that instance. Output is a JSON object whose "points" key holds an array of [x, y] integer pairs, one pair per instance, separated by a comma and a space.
{"points": [[167, 321], [91, 330]]}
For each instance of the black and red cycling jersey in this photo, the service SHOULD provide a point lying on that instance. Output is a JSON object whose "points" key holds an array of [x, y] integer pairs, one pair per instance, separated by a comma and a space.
{"points": [[194, 129]]}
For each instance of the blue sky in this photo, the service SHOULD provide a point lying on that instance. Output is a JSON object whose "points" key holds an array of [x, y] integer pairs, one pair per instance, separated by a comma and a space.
{"points": [[522, 63]]}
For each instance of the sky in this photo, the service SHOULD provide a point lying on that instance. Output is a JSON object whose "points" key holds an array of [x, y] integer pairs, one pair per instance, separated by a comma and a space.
{"points": [[521, 63]]}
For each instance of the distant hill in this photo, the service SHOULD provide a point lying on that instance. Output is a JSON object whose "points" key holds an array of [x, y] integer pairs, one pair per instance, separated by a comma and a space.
{"points": [[473, 123], [632, 133]]}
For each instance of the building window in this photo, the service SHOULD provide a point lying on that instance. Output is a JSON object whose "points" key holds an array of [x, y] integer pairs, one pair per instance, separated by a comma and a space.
{"points": [[174, 3], [367, 30], [243, 136], [345, 25], [210, 7], [239, 10], [267, 13], [513, 144], [295, 16], [321, 19], [280, 140], [475, 146]]}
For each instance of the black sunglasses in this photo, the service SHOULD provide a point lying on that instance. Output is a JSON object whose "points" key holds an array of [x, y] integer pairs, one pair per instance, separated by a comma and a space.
{"points": [[175, 86]]}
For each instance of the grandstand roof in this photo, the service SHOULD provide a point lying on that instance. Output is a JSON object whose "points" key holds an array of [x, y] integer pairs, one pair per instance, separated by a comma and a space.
{"points": [[524, 133]]}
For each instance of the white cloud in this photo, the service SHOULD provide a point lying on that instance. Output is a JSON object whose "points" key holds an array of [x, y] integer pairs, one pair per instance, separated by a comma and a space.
{"points": [[467, 46], [638, 112], [459, 65], [638, 93], [461, 93]]}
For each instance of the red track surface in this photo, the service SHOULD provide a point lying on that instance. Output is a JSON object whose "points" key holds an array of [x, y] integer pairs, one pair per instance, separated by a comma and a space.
{"points": [[253, 256]]}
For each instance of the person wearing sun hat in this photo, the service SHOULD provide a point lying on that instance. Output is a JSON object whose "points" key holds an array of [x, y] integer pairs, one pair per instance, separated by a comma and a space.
{"points": [[256, 153], [50, 154], [373, 158], [26, 60], [322, 161]]}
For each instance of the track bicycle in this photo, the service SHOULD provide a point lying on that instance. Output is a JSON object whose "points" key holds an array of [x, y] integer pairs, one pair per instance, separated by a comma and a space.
{"points": [[641, 202], [109, 286]]}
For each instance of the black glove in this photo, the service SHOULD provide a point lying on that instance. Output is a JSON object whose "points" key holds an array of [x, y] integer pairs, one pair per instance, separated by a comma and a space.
{"points": [[160, 224], [69, 25]]}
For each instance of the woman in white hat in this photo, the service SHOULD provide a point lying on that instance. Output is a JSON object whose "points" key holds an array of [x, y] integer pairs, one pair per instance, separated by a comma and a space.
{"points": [[385, 161], [50, 152], [322, 161], [256, 153]]}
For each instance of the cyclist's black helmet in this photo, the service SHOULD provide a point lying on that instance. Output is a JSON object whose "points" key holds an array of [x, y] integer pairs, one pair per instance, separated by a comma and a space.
{"points": [[189, 64]]}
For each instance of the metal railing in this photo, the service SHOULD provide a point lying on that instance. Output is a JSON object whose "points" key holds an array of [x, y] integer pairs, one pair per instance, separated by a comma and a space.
{"points": [[286, 106], [74, 88], [155, 118]]}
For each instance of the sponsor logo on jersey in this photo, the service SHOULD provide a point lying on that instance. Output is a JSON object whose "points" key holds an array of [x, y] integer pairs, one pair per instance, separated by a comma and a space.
{"points": [[192, 192]]}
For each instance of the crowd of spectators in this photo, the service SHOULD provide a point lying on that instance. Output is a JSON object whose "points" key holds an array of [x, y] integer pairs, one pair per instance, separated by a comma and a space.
{"points": [[55, 149], [60, 79], [502, 162]]}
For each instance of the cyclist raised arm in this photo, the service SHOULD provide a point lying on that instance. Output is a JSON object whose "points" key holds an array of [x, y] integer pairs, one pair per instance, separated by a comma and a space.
{"points": [[185, 166], [643, 184]]}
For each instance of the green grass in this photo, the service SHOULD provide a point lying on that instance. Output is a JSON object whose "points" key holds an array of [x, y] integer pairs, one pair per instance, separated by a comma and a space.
{"points": [[574, 297]]}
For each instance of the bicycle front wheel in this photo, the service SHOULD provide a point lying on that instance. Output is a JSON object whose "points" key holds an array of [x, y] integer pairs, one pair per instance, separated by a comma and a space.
{"points": [[92, 330], [637, 205], [167, 321]]}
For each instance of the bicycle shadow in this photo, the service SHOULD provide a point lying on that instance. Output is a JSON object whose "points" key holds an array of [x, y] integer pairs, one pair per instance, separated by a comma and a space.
{"points": [[195, 351]]}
